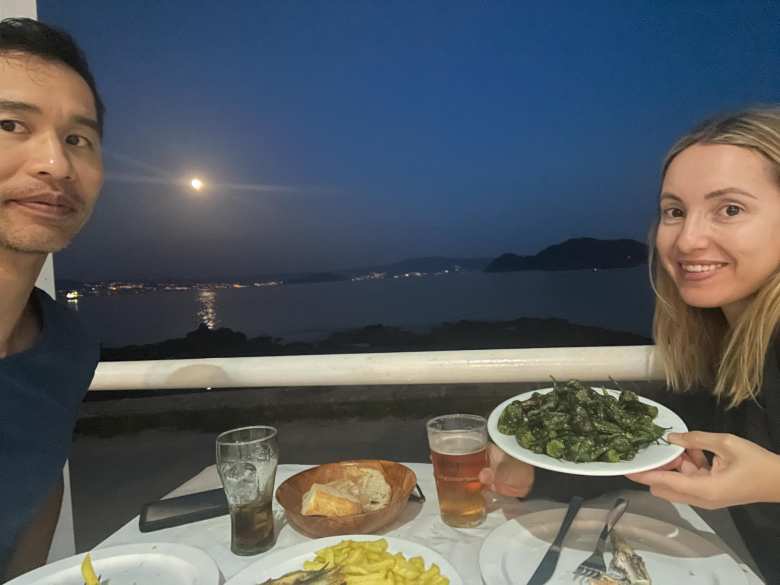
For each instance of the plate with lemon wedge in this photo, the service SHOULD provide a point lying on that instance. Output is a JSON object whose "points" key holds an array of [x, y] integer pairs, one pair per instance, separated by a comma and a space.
{"points": [[159, 563]]}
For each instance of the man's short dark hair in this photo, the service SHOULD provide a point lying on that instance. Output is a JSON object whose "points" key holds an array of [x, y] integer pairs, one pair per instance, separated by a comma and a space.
{"points": [[52, 44]]}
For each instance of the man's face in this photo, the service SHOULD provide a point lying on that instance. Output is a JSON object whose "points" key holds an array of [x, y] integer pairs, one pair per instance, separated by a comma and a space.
{"points": [[51, 166]]}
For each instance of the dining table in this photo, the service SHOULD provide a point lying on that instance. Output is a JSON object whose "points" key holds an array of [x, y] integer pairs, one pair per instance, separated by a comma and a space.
{"points": [[419, 522]]}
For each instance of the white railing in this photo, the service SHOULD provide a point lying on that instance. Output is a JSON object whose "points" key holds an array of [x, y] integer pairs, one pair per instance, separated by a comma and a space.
{"points": [[429, 367], [18, 8]]}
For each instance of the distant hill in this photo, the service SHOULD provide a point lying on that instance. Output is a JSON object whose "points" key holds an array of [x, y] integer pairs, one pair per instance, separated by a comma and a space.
{"points": [[317, 277], [576, 254], [429, 264], [425, 265]]}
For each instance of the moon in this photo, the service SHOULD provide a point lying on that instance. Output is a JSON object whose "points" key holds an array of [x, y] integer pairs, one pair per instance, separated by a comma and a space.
{"points": [[196, 184]]}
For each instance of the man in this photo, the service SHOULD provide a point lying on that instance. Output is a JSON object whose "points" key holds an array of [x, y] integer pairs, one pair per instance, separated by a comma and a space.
{"points": [[51, 172]]}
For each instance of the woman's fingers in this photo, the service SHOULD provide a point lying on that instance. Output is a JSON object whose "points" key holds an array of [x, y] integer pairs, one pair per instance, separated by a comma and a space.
{"points": [[698, 458], [505, 475], [486, 477], [676, 497], [675, 464], [695, 488], [741, 472], [688, 467], [645, 477], [700, 441]]}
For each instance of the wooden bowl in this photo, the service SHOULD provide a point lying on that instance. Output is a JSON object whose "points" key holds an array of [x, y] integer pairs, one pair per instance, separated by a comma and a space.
{"points": [[401, 479]]}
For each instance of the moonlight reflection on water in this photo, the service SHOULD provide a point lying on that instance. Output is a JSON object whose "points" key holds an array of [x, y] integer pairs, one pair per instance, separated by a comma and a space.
{"points": [[207, 312]]}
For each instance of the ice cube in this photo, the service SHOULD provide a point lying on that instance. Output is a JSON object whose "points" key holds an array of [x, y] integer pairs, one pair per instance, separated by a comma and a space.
{"points": [[241, 482]]}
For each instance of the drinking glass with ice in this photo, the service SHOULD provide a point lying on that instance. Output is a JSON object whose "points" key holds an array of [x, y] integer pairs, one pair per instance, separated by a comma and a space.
{"points": [[246, 461]]}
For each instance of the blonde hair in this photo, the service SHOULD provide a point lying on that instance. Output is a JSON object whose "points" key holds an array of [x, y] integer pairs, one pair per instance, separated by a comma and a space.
{"points": [[697, 346]]}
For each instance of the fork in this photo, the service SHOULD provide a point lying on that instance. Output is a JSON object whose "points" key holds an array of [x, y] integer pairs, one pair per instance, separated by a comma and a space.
{"points": [[594, 565]]}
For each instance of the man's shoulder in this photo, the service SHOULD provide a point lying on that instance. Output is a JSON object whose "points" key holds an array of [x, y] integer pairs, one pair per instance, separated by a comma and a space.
{"points": [[53, 314], [59, 365], [62, 328]]}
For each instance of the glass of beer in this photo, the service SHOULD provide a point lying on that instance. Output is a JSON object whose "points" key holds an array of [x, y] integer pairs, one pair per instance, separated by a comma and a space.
{"points": [[458, 445], [246, 462]]}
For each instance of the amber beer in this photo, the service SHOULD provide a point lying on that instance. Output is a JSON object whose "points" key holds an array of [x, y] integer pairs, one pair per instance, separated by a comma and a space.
{"points": [[458, 455]]}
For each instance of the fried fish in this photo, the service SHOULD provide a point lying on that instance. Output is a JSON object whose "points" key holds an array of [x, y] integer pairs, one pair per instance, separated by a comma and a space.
{"points": [[321, 577]]}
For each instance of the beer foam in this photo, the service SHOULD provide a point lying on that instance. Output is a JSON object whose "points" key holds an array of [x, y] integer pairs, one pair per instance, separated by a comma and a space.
{"points": [[458, 443]]}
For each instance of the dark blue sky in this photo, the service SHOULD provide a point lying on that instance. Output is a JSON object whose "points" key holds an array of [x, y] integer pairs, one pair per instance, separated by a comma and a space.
{"points": [[399, 129]]}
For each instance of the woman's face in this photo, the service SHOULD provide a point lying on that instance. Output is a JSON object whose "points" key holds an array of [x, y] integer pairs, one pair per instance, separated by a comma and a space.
{"points": [[719, 233]]}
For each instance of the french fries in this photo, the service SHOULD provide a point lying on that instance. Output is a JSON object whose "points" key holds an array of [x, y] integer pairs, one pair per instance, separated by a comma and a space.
{"points": [[369, 563]]}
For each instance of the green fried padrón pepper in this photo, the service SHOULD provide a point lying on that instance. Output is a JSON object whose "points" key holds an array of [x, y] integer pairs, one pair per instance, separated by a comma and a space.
{"points": [[576, 423]]}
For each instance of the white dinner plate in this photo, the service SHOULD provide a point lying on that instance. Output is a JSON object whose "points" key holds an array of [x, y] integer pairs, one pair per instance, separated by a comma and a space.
{"points": [[511, 553], [291, 558], [133, 564], [650, 457]]}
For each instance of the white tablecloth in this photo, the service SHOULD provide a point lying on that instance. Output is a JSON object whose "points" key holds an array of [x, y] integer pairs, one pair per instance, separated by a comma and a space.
{"points": [[419, 523]]}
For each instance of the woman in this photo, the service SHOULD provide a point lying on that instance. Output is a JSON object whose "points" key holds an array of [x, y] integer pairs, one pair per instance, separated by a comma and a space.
{"points": [[715, 269]]}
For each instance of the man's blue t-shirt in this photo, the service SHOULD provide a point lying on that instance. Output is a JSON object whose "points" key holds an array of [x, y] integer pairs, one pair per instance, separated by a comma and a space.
{"points": [[40, 393]]}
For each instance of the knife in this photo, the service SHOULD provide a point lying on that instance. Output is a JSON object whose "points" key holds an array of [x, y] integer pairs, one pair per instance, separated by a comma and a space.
{"points": [[546, 568]]}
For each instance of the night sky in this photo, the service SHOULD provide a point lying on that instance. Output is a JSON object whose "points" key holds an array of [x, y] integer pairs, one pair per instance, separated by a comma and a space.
{"points": [[337, 134]]}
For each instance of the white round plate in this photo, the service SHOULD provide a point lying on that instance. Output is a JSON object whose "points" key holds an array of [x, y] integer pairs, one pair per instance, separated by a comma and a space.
{"points": [[291, 558], [511, 553], [159, 563], [650, 457]]}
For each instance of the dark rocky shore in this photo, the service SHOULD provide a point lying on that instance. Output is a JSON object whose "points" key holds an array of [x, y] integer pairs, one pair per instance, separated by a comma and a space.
{"points": [[518, 333]]}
